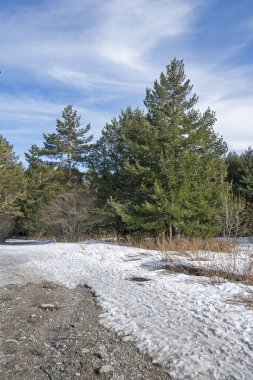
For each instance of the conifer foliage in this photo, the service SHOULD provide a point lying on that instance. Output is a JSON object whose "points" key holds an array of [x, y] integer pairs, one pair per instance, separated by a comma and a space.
{"points": [[68, 146], [154, 172], [240, 174], [12, 186], [174, 166]]}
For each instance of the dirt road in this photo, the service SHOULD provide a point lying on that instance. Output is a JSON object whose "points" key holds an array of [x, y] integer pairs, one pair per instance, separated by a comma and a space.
{"points": [[52, 332]]}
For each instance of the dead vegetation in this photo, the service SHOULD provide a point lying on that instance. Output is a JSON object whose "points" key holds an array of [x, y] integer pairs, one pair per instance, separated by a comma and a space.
{"points": [[234, 265], [246, 300], [217, 259], [180, 244]]}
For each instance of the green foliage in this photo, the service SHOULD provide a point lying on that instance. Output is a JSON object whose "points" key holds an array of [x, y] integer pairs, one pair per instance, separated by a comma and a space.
{"points": [[12, 186], [69, 146], [246, 181], [156, 172], [240, 174], [64, 150], [170, 162], [43, 183]]}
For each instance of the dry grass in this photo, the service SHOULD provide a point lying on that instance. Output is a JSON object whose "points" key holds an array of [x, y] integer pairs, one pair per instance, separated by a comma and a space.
{"points": [[181, 245], [217, 259], [246, 301], [233, 266]]}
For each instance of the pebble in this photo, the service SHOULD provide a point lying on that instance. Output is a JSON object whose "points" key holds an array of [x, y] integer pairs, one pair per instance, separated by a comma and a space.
{"points": [[85, 350], [128, 338], [105, 368], [48, 306]]}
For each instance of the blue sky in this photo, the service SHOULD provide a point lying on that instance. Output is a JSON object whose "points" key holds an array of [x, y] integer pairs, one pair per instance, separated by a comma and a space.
{"points": [[101, 55]]}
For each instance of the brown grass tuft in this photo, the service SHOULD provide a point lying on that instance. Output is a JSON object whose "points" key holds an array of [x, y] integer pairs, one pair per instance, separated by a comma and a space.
{"points": [[180, 244]]}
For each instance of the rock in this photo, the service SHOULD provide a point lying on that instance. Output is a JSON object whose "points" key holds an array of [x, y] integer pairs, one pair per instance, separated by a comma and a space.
{"points": [[156, 364], [47, 306], [97, 355], [105, 368], [85, 350], [128, 338], [77, 374]]}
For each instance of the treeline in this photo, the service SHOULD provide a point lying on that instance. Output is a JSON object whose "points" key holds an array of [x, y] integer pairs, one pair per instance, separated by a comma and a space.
{"points": [[155, 173]]}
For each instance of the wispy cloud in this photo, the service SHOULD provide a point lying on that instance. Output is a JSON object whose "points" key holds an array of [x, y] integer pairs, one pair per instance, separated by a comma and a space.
{"points": [[101, 55], [132, 28], [25, 119], [229, 93], [92, 81], [75, 38]]}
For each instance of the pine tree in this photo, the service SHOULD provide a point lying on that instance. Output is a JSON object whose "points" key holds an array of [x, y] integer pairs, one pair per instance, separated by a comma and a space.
{"points": [[69, 146], [176, 162], [12, 186], [43, 183]]}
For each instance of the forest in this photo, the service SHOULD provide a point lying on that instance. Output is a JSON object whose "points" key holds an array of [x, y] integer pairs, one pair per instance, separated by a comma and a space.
{"points": [[161, 171]]}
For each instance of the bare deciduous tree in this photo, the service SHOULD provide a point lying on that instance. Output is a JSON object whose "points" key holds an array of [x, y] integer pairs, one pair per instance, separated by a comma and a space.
{"points": [[232, 213], [67, 215]]}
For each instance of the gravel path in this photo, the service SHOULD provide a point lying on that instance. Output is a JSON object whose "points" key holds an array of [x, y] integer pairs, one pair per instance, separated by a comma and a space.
{"points": [[52, 332]]}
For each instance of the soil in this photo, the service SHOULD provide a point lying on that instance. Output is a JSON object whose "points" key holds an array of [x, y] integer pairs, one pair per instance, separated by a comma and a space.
{"points": [[52, 332]]}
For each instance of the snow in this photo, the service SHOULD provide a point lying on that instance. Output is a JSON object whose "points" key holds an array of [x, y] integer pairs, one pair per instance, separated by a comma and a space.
{"points": [[184, 322], [25, 241]]}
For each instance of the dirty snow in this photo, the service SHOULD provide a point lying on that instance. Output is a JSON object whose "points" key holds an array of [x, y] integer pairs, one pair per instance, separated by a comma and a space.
{"points": [[184, 322]]}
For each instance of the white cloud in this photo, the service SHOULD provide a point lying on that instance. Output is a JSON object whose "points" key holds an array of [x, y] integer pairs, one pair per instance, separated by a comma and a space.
{"points": [[105, 51], [235, 122], [229, 94], [72, 36], [91, 81], [25, 119], [132, 28]]}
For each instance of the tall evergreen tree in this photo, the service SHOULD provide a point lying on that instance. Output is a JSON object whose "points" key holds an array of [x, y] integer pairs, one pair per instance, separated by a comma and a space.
{"points": [[44, 183], [68, 147], [174, 161]]}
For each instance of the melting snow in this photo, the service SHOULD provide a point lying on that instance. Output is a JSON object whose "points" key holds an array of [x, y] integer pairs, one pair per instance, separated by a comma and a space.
{"points": [[184, 322]]}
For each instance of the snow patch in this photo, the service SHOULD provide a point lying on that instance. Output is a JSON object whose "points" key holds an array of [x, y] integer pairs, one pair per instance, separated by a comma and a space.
{"points": [[184, 322]]}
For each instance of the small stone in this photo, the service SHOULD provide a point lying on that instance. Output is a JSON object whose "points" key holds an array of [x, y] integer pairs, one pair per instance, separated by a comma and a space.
{"points": [[105, 368], [11, 341], [97, 355], [85, 350], [77, 374], [37, 352], [33, 316], [47, 306], [128, 338], [156, 364]]}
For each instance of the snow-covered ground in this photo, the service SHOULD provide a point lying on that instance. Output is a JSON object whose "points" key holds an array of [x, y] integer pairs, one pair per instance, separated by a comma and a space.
{"points": [[184, 322]]}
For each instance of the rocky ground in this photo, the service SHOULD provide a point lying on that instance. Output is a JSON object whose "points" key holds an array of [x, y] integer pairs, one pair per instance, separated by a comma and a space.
{"points": [[52, 332]]}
